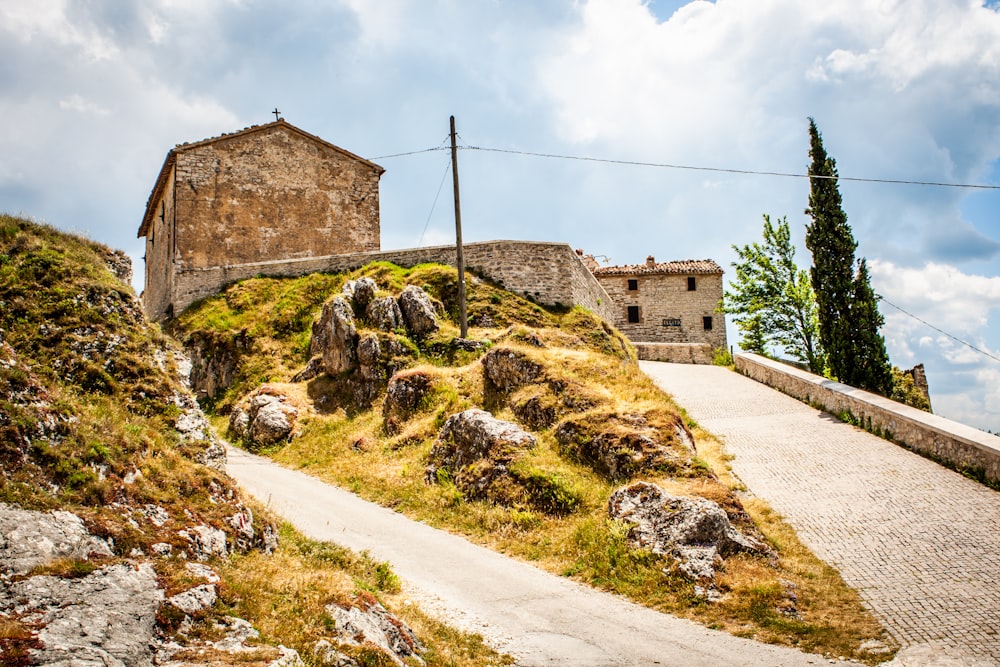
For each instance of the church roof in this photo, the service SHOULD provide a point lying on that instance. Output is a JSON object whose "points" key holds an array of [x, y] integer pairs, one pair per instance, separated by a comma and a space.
{"points": [[687, 267], [168, 163]]}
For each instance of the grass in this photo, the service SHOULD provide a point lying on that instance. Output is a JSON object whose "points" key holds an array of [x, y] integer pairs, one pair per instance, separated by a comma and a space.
{"points": [[552, 509], [87, 425]]}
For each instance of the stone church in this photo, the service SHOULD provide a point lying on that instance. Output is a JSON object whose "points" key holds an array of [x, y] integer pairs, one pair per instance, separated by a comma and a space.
{"points": [[269, 193]]}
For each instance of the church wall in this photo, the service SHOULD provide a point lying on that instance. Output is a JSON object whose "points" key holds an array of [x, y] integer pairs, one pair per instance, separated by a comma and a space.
{"points": [[157, 293], [272, 195]]}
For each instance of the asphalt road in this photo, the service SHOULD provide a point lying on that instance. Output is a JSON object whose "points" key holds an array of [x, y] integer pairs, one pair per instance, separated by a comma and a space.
{"points": [[537, 617]]}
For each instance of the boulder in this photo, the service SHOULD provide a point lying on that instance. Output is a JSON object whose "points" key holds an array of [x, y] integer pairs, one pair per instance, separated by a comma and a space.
{"points": [[402, 397], [263, 420], [509, 369], [194, 599], [384, 314], [369, 353], [338, 336], [477, 449], [364, 292], [418, 311], [313, 368], [205, 542], [695, 531], [368, 622]]}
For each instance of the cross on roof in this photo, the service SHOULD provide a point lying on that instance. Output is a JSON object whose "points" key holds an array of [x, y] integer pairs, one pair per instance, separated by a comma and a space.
{"points": [[276, 114]]}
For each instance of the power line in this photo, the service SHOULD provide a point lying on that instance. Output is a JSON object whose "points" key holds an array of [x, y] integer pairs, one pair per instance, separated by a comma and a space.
{"points": [[447, 168], [954, 338], [665, 165], [687, 167]]}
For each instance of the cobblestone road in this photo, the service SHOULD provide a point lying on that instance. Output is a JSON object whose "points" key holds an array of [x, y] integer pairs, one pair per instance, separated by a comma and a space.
{"points": [[919, 542]]}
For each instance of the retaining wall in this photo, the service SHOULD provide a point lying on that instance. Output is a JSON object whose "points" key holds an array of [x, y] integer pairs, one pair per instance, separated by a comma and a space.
{"points": [[939, 438], [675, 353], [549, 273]]}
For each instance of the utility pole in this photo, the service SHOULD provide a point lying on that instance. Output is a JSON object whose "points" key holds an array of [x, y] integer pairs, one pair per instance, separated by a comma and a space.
{"points": [[462, 317]]}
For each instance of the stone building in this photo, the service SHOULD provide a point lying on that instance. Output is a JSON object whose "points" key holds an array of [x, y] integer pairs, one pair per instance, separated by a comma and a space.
{"points": [[666, 302], [267, 194]]}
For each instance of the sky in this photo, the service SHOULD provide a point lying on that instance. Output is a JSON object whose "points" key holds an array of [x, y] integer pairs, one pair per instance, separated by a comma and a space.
{"points": [[94, 93]]}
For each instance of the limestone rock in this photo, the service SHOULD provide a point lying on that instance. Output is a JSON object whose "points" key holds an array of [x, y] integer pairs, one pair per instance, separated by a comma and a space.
{"points": [[338, 336], [270, 419], [476, 449], [695, 531], [620, 446], [369, 352], [347, 291], [368, 622], [418, 311], [205, 542], [312, 369], [509, 369], [364, 292], [403, 396], [194, 599], [384, 314], [29, 539], [107, 617], [326, 654]]}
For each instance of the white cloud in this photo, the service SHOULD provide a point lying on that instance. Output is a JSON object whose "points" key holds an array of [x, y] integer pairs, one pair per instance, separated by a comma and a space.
{"points": [[79, 104]]}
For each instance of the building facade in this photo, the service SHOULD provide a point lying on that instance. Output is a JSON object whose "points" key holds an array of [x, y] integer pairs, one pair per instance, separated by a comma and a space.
{"points": [[666, 302], [269, 193]]}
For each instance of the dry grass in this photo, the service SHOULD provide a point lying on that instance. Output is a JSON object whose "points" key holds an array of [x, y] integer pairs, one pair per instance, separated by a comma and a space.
{"points": [[590, 376]]}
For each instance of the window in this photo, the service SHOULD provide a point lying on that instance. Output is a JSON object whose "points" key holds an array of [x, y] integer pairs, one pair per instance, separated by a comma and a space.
{"points": [[692, 284], [707, 320], [633, 314], [633, 284]]}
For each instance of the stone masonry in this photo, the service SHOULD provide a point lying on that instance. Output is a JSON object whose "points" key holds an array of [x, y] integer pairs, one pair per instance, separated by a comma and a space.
{"points": [[667, 302], [270, 192]]}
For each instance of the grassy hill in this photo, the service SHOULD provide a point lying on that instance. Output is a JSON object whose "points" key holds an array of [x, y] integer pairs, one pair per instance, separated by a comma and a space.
{"points": [[95, 420], [581, 396]]}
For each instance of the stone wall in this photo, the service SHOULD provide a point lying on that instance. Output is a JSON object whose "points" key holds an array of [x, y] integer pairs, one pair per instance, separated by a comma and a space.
{"points": [[668, 311], [549, 273], [955, 444], [675, 353], [159, 284], [271, 193]]}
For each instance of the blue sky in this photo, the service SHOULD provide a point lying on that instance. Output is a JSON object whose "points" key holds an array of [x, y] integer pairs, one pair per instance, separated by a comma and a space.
{"points": [[93, 94]]}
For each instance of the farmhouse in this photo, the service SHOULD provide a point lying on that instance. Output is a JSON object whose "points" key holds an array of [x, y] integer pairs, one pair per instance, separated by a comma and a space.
{"points": [[666, 302], [269, 193]]}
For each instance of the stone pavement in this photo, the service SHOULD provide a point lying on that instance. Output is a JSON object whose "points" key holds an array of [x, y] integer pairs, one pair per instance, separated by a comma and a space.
{"points": [[919, 542]]}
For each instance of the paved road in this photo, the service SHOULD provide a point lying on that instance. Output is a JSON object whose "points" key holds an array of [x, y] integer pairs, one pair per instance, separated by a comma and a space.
{"points": [[919, 542], [537, 617]]}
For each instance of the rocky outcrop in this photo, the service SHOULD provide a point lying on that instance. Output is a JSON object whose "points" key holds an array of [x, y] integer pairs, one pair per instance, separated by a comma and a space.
{"points": [[384, 314], [29, 539], [338, 336], [214, 359], [694, 531], [363, 294], [476, 450], [403, 396], [620, 446], [368, 622], [263, 419], [418, 312], [508, 369]]}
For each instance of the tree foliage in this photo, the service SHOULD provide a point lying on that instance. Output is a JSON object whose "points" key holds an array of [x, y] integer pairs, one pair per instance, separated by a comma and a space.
{"points": [[772, 300], [849, 319]]}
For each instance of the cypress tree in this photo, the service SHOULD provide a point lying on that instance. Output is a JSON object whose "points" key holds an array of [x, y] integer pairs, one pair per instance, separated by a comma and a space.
{"points": [[848, 310]]}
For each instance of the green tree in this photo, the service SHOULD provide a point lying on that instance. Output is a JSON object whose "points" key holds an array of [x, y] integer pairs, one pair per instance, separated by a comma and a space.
{"points": [[772, 300], [849, 320]]}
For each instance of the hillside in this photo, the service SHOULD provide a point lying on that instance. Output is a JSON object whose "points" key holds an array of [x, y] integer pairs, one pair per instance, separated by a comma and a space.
{"points": [[537, 436], [122, 540]]}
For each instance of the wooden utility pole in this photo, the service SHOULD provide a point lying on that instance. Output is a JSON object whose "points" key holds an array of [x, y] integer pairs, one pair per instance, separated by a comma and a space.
{"points": [[462, 317]]}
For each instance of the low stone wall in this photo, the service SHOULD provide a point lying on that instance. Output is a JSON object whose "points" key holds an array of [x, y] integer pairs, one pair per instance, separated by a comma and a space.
{"points": [[675, 353], [549, 273], [936, 437]]}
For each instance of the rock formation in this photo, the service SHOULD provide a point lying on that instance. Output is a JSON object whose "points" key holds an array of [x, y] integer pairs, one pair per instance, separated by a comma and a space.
{"points": [[418, 312]]}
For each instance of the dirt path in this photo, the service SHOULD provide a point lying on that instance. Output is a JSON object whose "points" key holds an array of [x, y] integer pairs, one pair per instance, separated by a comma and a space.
{"points": [[919, 542], [539, 618]]}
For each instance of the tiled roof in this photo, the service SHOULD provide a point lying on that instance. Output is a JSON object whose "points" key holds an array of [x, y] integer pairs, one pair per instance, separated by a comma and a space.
{"points": [[687, 266], [180, 148]]}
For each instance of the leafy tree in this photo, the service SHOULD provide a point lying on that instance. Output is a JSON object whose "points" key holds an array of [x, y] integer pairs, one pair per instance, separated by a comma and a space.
{"points": [[772, 299], [849, 320]]}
